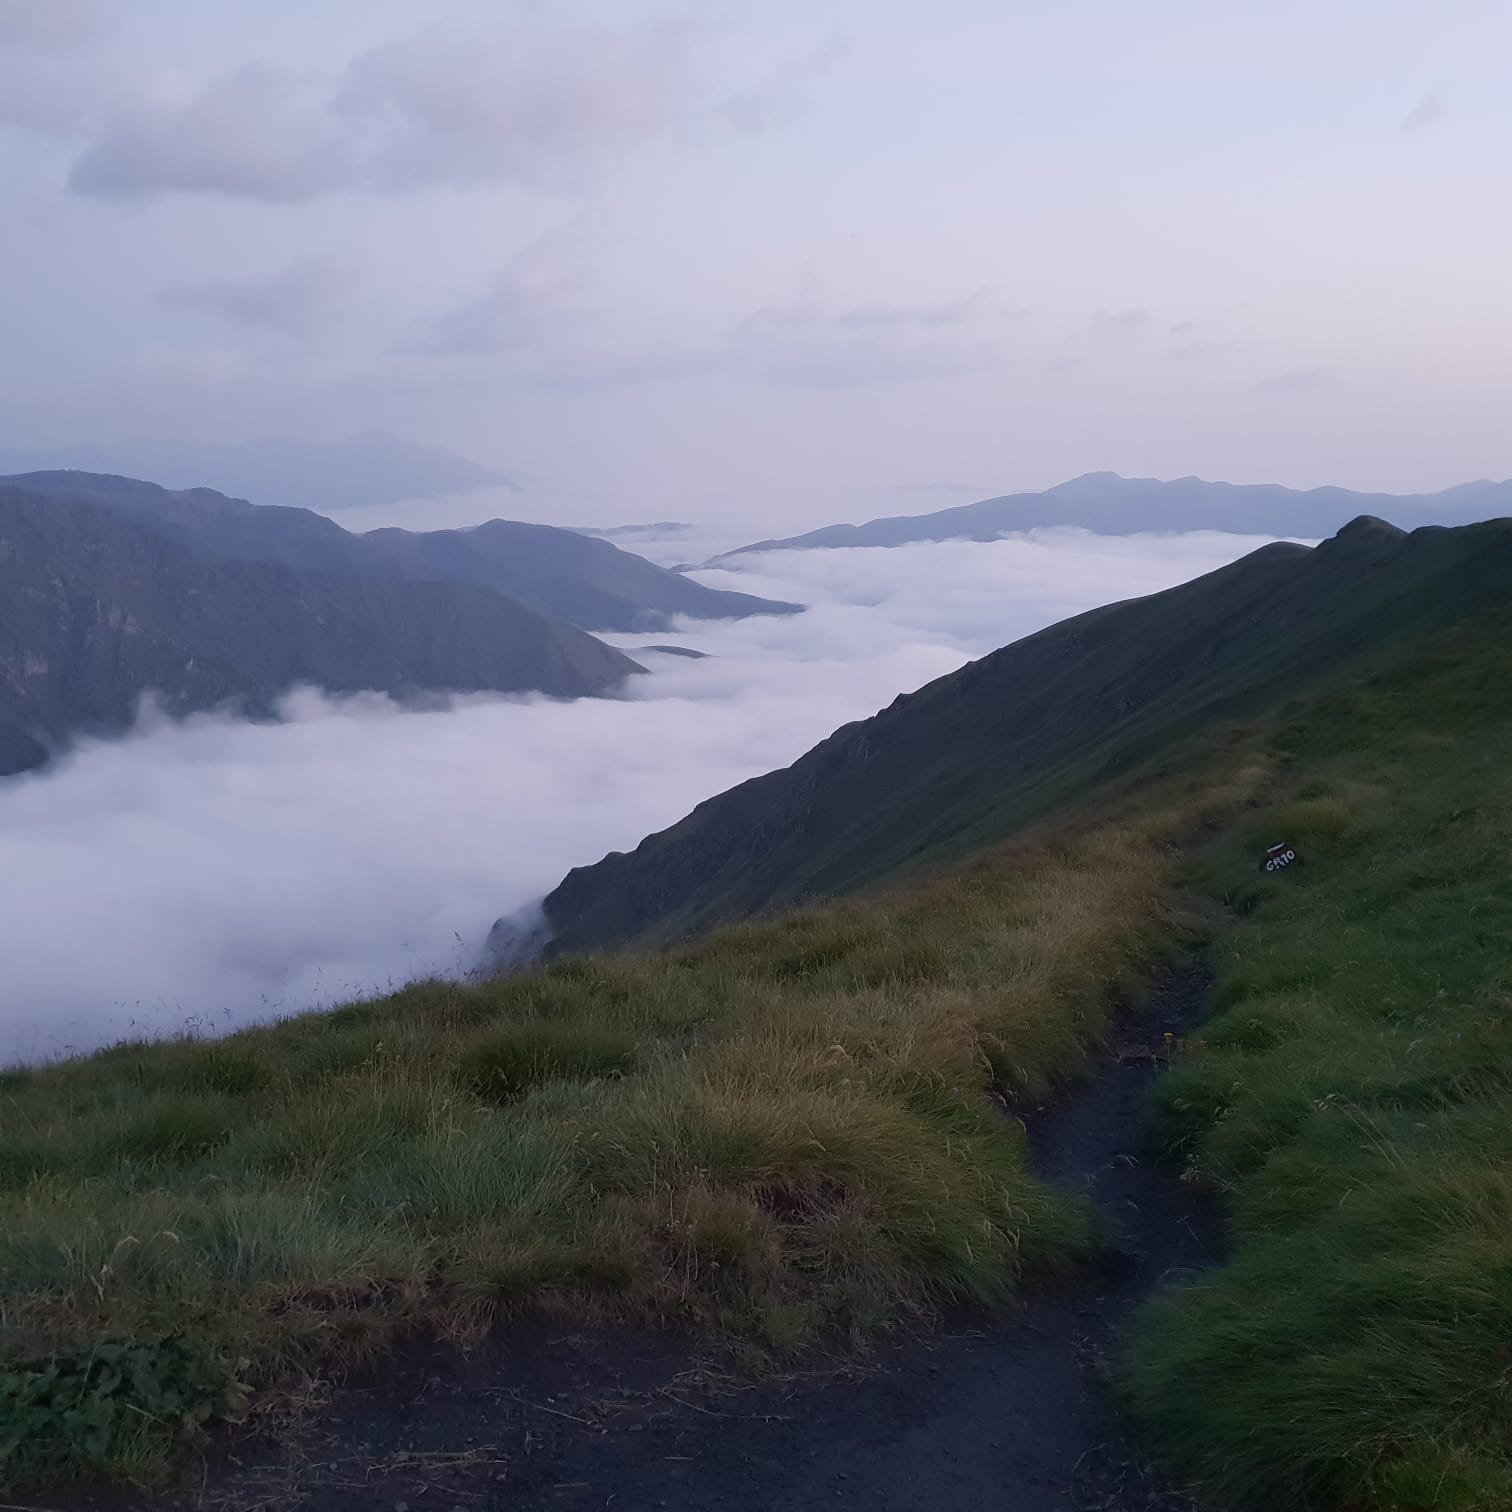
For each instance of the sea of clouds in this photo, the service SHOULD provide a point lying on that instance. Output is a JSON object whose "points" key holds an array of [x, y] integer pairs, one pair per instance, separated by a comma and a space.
{"points": [[206, 873]]}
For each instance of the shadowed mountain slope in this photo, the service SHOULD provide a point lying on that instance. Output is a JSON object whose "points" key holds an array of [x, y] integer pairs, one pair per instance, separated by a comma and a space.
{"points": [[975, 755], [95, 610], [575, 577], [560, 573], [1112, 505]]}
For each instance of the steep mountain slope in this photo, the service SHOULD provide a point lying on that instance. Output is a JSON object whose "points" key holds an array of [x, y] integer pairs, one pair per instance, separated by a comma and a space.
{"points": [[974, 755], [1112, 505], [95, 610], [575, 577], [589, 583]]}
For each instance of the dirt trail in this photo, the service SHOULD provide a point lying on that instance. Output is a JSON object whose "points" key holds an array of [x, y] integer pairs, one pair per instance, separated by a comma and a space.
{"points": [[1017, 1415]]}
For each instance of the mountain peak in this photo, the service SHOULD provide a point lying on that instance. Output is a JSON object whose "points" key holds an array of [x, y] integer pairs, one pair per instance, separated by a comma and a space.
{"points": [[1369, 531]]}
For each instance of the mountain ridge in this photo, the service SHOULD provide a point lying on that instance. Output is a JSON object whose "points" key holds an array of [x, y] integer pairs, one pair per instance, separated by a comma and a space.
{"points": [[1104, 502], [587, 582], [96, 610], [973, 756]]}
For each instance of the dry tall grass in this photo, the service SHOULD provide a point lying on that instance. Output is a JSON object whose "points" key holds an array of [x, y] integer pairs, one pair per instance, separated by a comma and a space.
{"points": [[794, 1125]]}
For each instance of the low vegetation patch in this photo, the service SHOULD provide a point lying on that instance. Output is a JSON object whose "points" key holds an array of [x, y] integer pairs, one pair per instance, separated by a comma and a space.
{"points": [[792, 1126], [1353, 1098]]}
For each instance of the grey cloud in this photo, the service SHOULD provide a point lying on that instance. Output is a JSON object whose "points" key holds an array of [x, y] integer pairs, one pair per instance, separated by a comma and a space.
{"points": [[814, 314], [260, 132], [542, 108], [1120, 320], [50, 23], [43, 101], [775, 103], [1428, 111], [1182, 328], [952, 312], [1195, 351], [538, 297], [295, 300], [532, 107], [925, 490], [809, 344], [1299, 381], [508, 317]]}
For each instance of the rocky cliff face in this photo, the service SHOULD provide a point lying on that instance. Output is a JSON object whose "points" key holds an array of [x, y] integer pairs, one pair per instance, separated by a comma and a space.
{"points": [[96, 610]]}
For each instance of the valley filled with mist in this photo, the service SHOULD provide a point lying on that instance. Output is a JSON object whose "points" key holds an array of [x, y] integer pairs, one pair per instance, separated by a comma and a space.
{"points": [[219, 872]]}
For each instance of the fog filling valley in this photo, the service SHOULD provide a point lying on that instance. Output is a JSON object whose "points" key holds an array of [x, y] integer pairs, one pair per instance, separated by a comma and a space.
{"points": [[202, 874]]}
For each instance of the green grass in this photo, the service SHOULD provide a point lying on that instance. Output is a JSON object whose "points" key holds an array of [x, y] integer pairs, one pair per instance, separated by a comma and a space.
{"points": [[1353, 1099], [792, 1127]]}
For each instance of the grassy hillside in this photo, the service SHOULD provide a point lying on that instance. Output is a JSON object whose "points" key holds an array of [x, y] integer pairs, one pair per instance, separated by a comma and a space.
{"points": [[1353, 1098], [791, 1127], [972, 757], [795, 1125]]}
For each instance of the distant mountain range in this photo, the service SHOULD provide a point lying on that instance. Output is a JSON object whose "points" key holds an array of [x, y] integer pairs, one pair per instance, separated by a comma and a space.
{"points": [[589, 583], [97, 608], [374, 467], [582, 579], [1112, 505], [111, 587], [976, 755]]}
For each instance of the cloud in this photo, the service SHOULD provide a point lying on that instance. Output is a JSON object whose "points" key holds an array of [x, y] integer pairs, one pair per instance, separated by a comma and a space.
{"points": [[952, 312], [261, 133], [294, 300], [1198, 350], [50, 24], [1301, 380], [41, 87], [214, 873], [779, 100], [537, 297], [928, 490], [517, 105], [1182, 328], [38, 100], [541, 107], [811, 343], [1428, 111], [1120, 320]]}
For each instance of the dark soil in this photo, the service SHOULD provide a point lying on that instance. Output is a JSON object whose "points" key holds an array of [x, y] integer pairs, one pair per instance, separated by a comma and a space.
{"points": [[1016, 1414]]}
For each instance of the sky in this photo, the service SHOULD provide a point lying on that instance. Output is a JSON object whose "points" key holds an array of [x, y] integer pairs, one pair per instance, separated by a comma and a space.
{"points": [[800, 262], [204, 874]]}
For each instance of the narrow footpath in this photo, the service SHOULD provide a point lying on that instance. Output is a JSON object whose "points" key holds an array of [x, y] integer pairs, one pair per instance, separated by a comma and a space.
{"points": [[1018, 1415]]}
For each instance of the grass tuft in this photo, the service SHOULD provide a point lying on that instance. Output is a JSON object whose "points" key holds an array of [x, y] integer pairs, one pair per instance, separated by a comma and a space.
{"points": [[1353, 1099], [793, 1125]]}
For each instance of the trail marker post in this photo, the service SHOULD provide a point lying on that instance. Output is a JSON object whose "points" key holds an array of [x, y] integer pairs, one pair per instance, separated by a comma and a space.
{"points": [[1279, 858]]}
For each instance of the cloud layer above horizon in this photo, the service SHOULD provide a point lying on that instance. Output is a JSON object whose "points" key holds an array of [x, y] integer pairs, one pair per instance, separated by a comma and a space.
{"points": [[677, 257], [210, 873]]}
